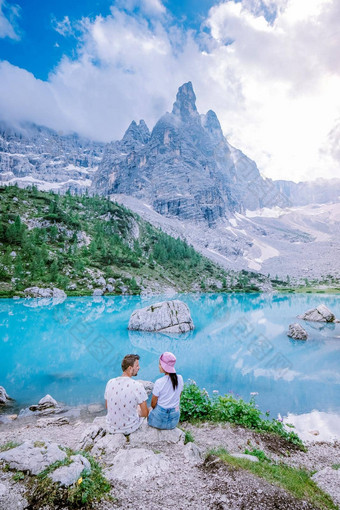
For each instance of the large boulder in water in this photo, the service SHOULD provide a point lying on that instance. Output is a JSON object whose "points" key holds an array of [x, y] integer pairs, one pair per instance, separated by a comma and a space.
{"points": [[297, 332], [319, 314], [165, 317], [38, 292]]}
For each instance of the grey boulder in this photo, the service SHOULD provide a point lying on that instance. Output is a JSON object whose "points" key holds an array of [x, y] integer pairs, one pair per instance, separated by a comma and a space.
{"points": [[93, 433], [319, 314], [33, 457], [108, 444], [164, 317], [193, 453], [38, 292], [68, 475], [297, 332]]}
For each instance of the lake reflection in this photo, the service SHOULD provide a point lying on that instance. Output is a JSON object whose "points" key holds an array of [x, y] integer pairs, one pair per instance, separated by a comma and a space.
{"points": [[239, 344]]}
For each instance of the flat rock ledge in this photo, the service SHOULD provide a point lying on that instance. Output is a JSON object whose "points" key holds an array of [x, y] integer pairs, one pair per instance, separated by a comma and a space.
{"points": [[319, 314], [297, 332], [33, 457], [102, 442], [164, 317], [136, 464]]}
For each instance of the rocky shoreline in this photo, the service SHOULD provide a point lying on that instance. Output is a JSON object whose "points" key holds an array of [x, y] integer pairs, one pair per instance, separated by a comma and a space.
{"points": [[155, 470]]}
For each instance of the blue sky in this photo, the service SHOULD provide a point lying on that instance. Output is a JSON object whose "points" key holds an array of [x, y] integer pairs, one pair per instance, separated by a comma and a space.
{"points": [[270, 69], [40, 47]]}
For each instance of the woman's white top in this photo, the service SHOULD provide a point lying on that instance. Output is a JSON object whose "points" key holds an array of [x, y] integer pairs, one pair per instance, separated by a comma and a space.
{"points": [[167, 396]]}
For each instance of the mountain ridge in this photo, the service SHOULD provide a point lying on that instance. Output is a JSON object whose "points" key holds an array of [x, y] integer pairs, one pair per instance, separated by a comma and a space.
{"points": [[186, 170]]}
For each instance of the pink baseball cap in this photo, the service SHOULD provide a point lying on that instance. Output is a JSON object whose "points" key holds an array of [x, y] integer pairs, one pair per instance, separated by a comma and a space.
{"points": [[167, 361]]}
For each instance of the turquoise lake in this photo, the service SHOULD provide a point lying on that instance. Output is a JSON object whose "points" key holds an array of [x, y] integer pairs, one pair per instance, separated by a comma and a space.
{"points": [[239, 344]]}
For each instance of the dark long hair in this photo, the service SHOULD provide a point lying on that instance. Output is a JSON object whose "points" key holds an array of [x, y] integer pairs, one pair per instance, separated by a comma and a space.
{"points": [[174, 380]]}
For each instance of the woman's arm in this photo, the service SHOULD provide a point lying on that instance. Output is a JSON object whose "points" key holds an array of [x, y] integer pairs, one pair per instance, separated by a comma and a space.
{"points": [[154, 401]]}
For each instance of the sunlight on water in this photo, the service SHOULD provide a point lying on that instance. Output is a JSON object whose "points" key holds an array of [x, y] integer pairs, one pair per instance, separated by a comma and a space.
{"points": [[239, 344]]}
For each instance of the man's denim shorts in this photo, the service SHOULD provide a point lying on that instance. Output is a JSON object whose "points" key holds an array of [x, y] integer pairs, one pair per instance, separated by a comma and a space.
{"points": [[162, 418]]}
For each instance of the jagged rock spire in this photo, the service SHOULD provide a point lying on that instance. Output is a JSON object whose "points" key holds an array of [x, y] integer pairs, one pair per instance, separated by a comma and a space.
{"points": [[211, 123], [136, 132], [185, 104]]}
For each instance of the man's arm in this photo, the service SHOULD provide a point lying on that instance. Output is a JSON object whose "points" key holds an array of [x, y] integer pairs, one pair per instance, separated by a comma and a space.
{"points": [[154, 401], [144, 411], [105, 404]]}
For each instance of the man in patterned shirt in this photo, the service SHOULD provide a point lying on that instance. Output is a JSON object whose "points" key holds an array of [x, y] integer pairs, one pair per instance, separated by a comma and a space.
{"points": [[126, 399]]}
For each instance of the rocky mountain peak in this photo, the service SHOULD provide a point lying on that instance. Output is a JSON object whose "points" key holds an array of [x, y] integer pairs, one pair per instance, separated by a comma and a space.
{"points": [[137, 132], [185, 104], [211, 124]]}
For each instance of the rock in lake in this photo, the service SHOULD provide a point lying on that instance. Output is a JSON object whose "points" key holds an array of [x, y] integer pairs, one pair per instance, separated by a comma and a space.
{"points": [[319, 314], [46, 405], [297, 332], [165, 317], [38, 292], [4, 398]]}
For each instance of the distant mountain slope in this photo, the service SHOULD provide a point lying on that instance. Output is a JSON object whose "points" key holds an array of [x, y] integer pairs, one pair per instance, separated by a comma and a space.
{"points": [[31, 154], [79, 243], [320, 191], [299, 242]]}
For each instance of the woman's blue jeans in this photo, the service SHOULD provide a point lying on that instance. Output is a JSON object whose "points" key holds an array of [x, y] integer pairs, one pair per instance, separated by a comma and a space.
{"points": [[162, 418]]}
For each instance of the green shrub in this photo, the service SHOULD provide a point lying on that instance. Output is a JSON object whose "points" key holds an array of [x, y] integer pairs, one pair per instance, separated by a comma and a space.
{"points": [[196, 405]]}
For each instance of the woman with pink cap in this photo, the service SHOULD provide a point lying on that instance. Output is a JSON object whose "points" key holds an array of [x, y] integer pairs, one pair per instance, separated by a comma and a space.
{"points": [[166, 395]]}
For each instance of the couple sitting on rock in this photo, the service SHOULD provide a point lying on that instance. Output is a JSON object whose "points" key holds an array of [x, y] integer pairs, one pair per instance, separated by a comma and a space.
{"points": [[126, 399]]}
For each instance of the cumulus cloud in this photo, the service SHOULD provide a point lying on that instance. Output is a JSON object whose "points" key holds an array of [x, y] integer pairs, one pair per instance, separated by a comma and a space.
{"points": [[8, 19], [267, 67]]}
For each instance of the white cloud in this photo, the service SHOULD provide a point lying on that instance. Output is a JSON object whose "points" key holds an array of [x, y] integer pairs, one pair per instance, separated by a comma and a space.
{"points": [[63, 27], [290, 80], [8, 16], [272, 82]]}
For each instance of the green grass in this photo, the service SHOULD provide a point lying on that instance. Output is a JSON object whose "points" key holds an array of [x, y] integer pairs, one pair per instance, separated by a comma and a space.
{"points": [[188, 438], [8, 446], [297, 482], [257, 453]]}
